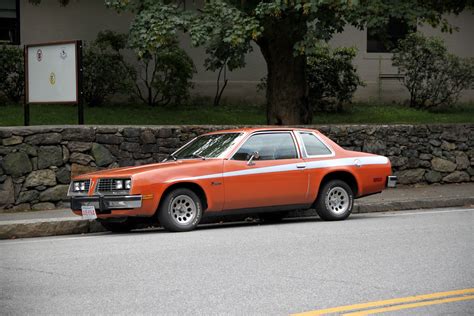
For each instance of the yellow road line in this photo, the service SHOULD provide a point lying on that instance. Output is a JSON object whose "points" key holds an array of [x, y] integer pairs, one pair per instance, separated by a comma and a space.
{"points": [[412, 305], [393, 301]]}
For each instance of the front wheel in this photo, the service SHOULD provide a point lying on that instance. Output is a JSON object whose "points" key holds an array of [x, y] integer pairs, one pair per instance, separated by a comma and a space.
{"points": [[181, 210], [335, 201]]}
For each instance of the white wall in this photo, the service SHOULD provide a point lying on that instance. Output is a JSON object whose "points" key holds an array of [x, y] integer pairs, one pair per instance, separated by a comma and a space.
{"points": [[83, 19]]}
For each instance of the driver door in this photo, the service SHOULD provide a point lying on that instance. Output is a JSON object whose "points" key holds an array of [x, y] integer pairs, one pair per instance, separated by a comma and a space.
{"points": [[276, 177]]}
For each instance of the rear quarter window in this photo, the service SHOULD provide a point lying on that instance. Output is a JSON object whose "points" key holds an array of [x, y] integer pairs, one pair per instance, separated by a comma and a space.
{"points": [[313, 146]]}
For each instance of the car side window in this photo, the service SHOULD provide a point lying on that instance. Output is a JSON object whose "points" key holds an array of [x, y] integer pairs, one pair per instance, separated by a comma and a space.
{"points": [[271, 146], [313, 146]]}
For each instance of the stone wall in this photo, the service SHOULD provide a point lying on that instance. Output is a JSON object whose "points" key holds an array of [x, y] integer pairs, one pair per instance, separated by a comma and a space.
{"points": [[36, 163]]}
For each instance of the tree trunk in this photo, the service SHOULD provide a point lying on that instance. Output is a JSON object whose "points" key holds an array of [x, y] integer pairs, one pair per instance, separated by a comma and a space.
{"points": [[287, 102]]}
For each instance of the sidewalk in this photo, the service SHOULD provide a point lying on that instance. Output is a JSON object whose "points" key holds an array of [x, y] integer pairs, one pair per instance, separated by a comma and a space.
{"points": [[64, 222]]}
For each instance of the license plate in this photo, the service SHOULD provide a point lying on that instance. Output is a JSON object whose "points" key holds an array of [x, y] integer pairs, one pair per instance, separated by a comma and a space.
{"points": [[88, 212]]}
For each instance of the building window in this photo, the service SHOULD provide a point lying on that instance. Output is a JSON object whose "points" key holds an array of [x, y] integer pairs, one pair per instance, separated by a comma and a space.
{"points": [[9, 22], [386, 40]]}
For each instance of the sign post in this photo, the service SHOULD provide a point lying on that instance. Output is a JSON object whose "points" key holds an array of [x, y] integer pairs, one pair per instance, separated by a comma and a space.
{"points": [[53, 74]]}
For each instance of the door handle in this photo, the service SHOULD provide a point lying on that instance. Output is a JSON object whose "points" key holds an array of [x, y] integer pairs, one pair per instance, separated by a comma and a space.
{"points": [[301, 166]]}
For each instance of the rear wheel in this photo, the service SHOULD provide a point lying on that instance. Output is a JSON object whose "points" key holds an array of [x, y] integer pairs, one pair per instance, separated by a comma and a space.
{"points": [[181, 210], [335, 201], [118, 227]]}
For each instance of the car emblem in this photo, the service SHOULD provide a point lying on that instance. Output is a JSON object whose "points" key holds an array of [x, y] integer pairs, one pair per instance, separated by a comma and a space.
{"points": [[39, 55], [357, 163], [63, 53], [52, 78]]}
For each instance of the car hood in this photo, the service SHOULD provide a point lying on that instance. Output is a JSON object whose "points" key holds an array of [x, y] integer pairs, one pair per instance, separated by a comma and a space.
{"points": [[135, 170]]}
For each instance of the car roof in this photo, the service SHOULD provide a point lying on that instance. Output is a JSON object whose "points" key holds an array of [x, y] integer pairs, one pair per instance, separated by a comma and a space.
{"points": [[262, 129]]}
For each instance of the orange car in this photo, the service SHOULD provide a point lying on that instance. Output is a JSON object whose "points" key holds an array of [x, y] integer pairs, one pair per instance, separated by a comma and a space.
{"points": [[258, 170]]}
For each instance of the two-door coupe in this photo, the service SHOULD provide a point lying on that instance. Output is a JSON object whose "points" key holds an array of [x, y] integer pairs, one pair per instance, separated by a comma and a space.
{"points": [[258, 170]]}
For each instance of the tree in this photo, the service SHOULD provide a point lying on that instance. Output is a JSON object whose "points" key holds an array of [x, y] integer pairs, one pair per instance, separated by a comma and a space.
{"points": [[12, 81], [282, 29], [434, 77]]}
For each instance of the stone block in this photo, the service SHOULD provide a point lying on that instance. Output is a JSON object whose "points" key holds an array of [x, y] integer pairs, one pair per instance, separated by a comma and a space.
{"points": [[433, 176], [102, 155], [77, 169], [462, 161], [83, 134], [44, 139], [131, 132], [50, 156], [79, 146], [109, 139], [56, 193], [410, 176], [17, 164], [81, 158], [7, 192], [39, 178], [27, 196], [443, 165], [63, 175], [13, 140], [147, 137], [457, 176], [44, 206]]}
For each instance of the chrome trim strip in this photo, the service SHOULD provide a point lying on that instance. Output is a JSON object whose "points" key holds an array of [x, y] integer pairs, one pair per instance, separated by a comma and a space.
{"points": [[365, 160]]}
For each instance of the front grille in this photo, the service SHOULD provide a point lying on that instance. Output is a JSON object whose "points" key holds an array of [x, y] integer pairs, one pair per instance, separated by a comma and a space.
{"points": [[105, 185], [88, 185]]}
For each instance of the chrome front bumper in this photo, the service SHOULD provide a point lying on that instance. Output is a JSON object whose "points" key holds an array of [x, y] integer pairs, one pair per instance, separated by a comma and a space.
{"points": [[106, 203], [391, 181]]}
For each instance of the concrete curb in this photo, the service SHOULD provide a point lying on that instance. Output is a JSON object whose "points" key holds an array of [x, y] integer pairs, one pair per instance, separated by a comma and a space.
{"points": [[73, 225]]}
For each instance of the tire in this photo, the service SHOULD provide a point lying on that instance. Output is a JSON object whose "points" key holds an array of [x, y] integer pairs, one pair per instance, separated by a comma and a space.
{"points": [[180, 210], [117, 227], [273, 217], [335, 201]]}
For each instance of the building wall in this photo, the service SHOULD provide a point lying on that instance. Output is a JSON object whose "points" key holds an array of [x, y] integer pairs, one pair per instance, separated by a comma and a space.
{"points": [[85, 18]]}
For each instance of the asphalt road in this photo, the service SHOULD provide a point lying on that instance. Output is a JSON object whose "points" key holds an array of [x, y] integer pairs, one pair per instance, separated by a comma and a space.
{"points": [[245, 268]]}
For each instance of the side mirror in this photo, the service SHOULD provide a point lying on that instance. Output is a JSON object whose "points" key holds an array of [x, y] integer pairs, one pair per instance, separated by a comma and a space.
{"points": [[255, 156]]}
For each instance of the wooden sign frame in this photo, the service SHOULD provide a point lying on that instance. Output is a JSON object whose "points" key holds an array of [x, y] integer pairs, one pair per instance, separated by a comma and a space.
{"points": [[78, 82]]}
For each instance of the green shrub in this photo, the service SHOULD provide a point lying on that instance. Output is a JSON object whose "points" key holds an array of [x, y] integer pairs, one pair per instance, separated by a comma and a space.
{"points": [[11, 73], [331, 77], [172, 71], [434, 77], [161, 77], [105, 74]]}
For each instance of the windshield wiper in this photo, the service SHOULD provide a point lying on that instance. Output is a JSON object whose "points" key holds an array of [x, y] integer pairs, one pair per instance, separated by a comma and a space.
{"points": [[170, 156], [195, 156]]}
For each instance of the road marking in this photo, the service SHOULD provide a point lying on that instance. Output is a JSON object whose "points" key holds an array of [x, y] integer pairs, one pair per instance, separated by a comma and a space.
{"points": [[393, 301], [420, 212], [412, 305], [50, 239]]}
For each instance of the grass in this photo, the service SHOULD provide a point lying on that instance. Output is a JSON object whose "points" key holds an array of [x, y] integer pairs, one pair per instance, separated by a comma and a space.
{"points": [[12, 115]]}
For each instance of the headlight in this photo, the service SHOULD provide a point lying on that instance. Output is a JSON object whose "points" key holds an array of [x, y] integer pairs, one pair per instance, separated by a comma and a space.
{"points": [[81, 186], [128, 184], [118, 184]]}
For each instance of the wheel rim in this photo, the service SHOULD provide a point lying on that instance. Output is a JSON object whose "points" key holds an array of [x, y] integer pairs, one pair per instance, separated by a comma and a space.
{"points": [[183, 209], [337, 200]]}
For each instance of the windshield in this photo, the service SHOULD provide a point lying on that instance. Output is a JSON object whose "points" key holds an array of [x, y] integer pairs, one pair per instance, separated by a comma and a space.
{"points": [[207, 146]]}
